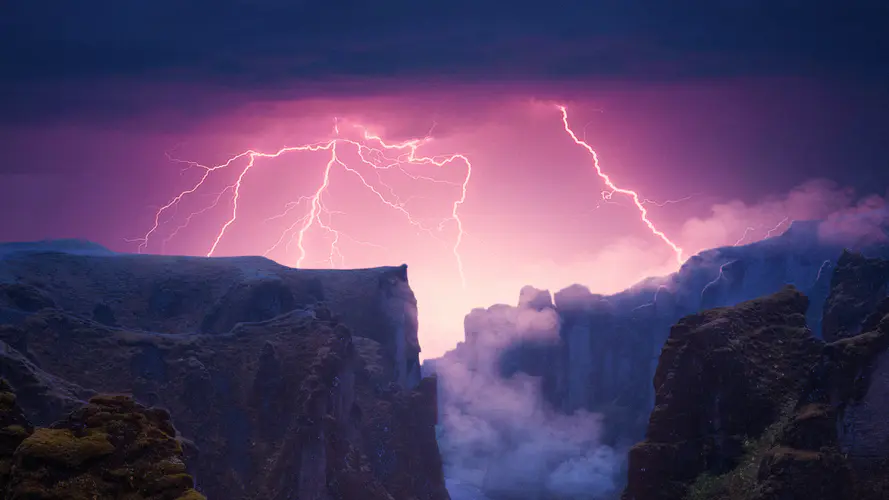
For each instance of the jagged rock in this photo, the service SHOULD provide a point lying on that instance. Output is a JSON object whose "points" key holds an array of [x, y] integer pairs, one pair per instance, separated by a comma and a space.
{"points": [[183, 295], [816, 428], [395, 429], [610, 345], [857, 286], [793, 473], [110, 448], [277, 408], [291, 383], [255, 300], [14, 428], [43, 396], [724, 376], [104, 315], [24, 297]]}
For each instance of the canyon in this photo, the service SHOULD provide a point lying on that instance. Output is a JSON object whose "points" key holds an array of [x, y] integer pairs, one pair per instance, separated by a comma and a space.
{"points": [[270, 382]]}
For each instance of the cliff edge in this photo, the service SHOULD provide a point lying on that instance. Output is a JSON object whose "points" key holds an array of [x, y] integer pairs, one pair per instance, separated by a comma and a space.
{"points": [[751, 406], [285, 383]]}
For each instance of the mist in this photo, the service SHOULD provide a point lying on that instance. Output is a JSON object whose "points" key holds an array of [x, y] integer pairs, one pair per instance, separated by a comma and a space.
{"points": [[498, 436]]}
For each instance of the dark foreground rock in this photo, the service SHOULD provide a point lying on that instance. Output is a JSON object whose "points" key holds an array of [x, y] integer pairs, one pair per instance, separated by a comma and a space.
{"points": [[750, 406], [286, 408], [111, 447], [283, 383], [14, 428], [857, 286], [608, 347]]}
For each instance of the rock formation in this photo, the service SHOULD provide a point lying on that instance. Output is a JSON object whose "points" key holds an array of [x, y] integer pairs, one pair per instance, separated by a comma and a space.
{"points": [[609, 345], [751, 406], [288, 383], [14, 428], [111, 447], [857, 287]]}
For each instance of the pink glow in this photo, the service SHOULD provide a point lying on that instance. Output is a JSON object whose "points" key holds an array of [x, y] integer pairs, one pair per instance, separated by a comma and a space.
{"points": [[606, 195], [532, 213]]}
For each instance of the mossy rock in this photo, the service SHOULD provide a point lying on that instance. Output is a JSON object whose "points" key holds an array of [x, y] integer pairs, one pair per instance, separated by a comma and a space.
{"points": [[814, 475], [14, 428], [111, 448], [191, 494], [64, 447]]}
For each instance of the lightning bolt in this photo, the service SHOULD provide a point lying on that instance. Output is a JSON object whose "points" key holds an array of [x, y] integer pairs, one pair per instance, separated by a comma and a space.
{"points": [[824, 265], [661, 204], [639, 202], [767, 234], [373, 151], [743, 236], [715, 281], [772, 230]]}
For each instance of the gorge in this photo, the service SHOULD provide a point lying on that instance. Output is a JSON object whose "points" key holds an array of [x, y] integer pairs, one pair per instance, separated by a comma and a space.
{"points": [[290, 383]]}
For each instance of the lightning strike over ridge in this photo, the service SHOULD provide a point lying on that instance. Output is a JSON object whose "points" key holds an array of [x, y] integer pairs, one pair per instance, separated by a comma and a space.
{"points": [[373, 151], [639, 202]]}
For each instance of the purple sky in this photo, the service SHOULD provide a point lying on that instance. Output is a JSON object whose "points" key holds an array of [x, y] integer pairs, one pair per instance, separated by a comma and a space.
{"points": [[678, 103]]}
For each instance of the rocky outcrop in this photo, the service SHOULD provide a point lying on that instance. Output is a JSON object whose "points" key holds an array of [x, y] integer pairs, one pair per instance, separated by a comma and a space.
{"points": [[750, 406], [282, 408], [14, 428], [261, 367], [46, 396], [184, 295], [609, 345], [111, 447], [857, 287], [723, 377]]}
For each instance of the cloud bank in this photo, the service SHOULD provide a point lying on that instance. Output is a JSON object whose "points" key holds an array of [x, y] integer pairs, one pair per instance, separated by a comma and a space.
{"points": [[847, 219], [499, 438]]}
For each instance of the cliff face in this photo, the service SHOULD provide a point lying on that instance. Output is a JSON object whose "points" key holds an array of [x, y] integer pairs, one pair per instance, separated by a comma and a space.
{"points": [[606, 348], [609, 345], [858, 285], [751, 406], [182, 295], [289, 383]]}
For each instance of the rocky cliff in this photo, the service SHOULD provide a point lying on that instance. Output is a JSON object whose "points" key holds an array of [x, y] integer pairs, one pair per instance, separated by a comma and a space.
{"points": [[289, 383], [111, 447], [610, 344], [750, 405], [604, 353]]}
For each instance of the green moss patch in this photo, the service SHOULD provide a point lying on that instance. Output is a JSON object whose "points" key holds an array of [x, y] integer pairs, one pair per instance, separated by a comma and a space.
{"points": [[62, 446]]}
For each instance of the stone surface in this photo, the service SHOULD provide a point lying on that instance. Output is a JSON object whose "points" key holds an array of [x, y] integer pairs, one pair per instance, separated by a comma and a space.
{"points": [[186, 295], [609, 346], [14, 428], [724, 375], [284, 383], [751, 407], [110, 448], [858, 286]]}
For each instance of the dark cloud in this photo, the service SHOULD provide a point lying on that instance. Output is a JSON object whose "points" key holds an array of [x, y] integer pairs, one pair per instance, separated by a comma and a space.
{"points": [[260, 42], [106, 59]]}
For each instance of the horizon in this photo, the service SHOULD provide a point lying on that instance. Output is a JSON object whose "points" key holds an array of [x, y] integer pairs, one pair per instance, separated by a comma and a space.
{"points": [[848, 240]]}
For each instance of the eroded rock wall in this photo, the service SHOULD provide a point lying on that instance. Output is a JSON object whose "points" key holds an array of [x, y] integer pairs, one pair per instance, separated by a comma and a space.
{"points": [[750, 406]]}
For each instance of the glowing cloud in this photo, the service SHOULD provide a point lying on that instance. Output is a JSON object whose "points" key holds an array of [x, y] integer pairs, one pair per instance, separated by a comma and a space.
{"points": [[377, 157], [375, 152]]}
